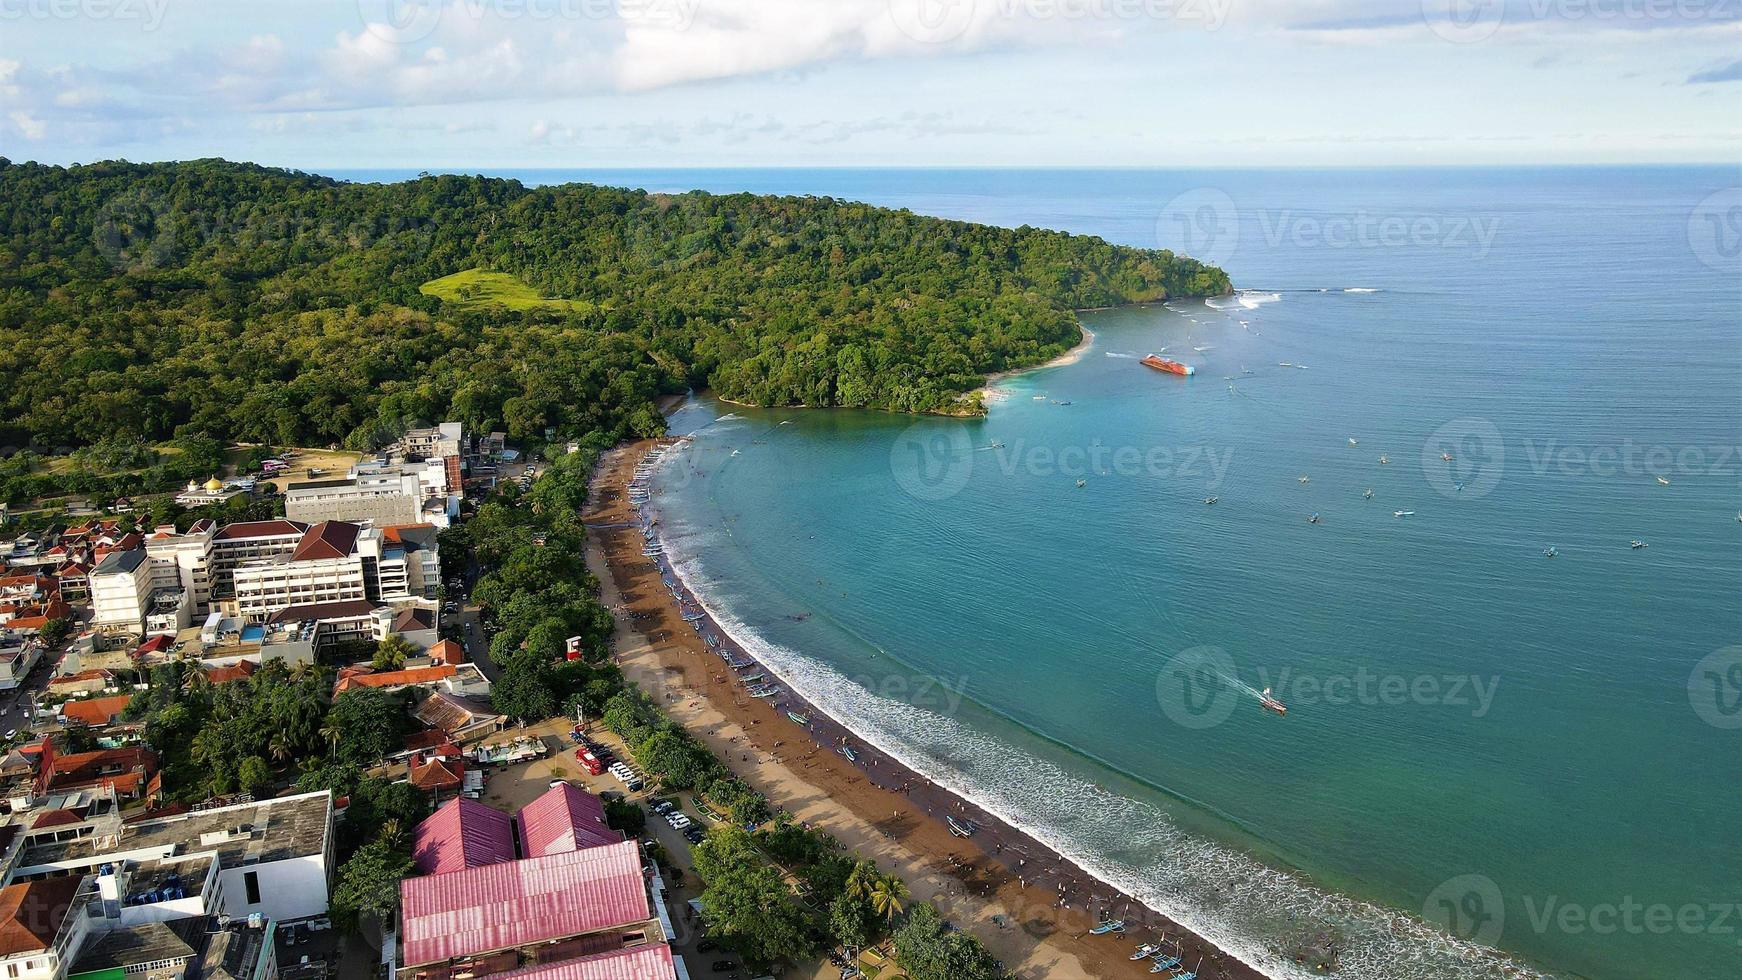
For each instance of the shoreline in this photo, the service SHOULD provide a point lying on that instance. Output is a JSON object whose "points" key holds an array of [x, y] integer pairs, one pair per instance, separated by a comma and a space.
{"points": [[1032, 906], [988, 391]]}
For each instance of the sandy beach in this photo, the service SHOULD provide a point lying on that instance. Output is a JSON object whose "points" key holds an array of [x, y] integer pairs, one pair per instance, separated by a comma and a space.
{"points": [[990, 392], [1031, 907]]}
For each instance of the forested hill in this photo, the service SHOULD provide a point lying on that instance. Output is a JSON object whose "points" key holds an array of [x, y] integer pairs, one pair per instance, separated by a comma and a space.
{"points": [[143, 301]]}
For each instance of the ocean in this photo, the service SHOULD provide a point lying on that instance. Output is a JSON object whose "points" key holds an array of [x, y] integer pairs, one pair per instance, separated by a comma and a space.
{"points": [[1507, 727]]}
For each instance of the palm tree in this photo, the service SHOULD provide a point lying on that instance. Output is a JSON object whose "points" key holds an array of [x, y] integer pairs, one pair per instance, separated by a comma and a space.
{"points": [[331, 733], [392, 834], [887, 895], [861, 878], [280, 746], [196, 681]]}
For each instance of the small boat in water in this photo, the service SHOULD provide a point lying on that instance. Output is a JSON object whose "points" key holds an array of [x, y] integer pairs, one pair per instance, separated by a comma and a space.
{"points": [[1313, 519], [1353, 443], [1271, 704], [1636, 544], [1304, 479], [1662, 482], [1384, 459], [1368, 494], [1116, 925], [1551, 552], [1285, 364], [1211, 500], [1082, 483], [1403, 513]]}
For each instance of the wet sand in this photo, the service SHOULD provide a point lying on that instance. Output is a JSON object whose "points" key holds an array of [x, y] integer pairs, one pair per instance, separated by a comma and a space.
{"points": [[1032, 908]]}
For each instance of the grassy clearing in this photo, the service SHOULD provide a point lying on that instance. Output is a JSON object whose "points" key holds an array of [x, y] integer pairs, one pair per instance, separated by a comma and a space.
{"points": [[480, 287]]}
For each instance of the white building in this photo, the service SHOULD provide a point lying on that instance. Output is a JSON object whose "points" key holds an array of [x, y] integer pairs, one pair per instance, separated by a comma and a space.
{"points": [[326, 566], [250, 541], [184, 561], [120, 588], [86, 893], [381, 499]]}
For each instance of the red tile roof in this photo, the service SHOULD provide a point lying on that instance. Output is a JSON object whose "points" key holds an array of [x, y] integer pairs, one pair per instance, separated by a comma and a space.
{"points": [[96, 712], [259, 529], [652, 962], [55, 818], [31, 913], [437, 774], [393, 678], [501, 906], [447, 652], [86, 768], [326, 540], [154, 643], [462, 834], [238, 671], [563, 819]]}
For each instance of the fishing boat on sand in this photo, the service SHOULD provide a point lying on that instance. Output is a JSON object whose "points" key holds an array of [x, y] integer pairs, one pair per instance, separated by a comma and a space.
{"points": [[1115, 925], [1165, 964], [799, 719], [1145, 951], [961, 828]]}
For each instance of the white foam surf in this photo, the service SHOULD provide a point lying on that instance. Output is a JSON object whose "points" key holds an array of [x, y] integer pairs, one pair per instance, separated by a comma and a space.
{"points": [[1360, 289], [1246, 908], [1253, 299]]}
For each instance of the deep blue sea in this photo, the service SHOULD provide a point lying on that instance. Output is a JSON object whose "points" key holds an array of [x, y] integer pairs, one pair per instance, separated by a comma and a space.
{"points": [[1508, 728]]}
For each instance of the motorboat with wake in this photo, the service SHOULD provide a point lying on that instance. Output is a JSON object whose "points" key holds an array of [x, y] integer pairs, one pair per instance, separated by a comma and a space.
{"points": [[1270, 703]]}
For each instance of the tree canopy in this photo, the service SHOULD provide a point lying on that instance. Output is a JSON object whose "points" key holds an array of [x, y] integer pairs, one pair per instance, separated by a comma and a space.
{"points": [[216, 300]]}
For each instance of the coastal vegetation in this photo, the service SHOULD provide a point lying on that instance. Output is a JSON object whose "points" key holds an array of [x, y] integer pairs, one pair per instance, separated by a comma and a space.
{"points": [[235, 302]]}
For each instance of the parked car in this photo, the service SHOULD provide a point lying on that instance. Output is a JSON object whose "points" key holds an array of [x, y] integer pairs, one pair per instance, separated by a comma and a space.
{"points": [[694, 834], [721, 966]]}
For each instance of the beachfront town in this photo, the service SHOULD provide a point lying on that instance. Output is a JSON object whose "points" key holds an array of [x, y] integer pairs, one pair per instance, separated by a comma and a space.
{"points": [[119, 860], [329, 714], [446, 710]]}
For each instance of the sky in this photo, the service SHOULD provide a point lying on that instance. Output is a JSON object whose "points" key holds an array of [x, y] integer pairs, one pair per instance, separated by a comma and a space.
{"points": [[441, 84]]}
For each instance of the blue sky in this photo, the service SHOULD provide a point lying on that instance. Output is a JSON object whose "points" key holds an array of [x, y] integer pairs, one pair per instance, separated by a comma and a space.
{"points": [[323, 84]]}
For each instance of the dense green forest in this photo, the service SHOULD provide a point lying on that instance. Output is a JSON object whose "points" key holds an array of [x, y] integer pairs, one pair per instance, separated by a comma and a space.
{"points": [[230, 301]]}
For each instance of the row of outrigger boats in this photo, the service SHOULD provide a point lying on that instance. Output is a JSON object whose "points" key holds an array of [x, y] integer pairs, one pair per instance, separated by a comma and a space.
{"points": [[1165, 953]]}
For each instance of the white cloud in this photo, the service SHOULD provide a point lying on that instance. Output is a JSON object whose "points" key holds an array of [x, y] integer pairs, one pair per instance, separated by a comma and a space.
{"points": [[29, 126]]}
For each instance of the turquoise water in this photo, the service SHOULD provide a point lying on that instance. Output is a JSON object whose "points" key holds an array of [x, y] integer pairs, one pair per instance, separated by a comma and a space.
{"points": [[1520, 747]]}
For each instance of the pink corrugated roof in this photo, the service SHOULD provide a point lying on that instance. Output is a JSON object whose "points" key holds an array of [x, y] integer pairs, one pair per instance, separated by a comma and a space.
{"points": [[462, 834], [563, 819], [501, 906], [639, 963]]}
